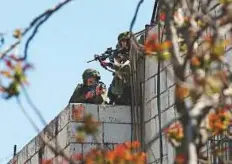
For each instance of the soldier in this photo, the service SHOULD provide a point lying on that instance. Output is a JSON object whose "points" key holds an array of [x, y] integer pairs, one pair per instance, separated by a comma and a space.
{"points": [[91, 91], [120, 91], [123, 44], [124, 40]]}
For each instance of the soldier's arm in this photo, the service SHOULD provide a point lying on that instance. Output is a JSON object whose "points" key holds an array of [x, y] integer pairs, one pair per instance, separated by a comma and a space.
{"points": [[103, 86], [99, 99], [77, 96]]}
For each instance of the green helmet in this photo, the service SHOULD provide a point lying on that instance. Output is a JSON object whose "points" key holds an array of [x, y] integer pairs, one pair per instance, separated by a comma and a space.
{"points": [[88, 73], [124, 35]]}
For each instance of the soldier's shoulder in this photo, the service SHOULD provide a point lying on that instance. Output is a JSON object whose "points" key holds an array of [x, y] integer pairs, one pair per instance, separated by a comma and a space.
{"points": [[79, 86]]}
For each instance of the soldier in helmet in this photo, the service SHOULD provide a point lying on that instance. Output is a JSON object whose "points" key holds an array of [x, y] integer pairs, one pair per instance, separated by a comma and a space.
{"points": [[91, 91], [124, 40], [123, 45], [119, 91]]}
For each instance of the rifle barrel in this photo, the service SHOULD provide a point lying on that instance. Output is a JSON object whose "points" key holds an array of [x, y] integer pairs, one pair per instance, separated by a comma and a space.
{"points": [[91, 61], [111, 53]]}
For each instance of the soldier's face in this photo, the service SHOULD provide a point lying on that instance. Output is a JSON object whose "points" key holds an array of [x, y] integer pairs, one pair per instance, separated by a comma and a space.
{"points": [[124, 43], [91, 81]]}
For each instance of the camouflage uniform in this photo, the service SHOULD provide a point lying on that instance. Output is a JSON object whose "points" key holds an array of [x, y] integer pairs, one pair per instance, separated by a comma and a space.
{"points": [[79, 95], [120, 90]]}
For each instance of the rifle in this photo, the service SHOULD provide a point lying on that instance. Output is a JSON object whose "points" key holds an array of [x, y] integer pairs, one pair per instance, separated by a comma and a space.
{"points": [[108, 53]]}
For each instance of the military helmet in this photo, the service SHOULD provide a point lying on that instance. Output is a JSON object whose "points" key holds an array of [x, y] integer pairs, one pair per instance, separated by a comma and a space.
{"points": [[124, 35], [88, 73]]}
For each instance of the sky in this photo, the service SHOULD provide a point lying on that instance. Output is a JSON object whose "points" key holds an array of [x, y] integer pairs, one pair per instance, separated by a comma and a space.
{"points": [[59, 53]]}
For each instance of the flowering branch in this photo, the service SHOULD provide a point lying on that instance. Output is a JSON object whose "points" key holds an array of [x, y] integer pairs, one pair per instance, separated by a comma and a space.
{"points": [[203, 99]]}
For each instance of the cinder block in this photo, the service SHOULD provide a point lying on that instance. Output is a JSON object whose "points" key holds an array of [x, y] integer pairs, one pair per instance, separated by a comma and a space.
{"points": [[109, 146], [62, 137], [89, 139], [164, 101], [50, 131], [64, 118], [116, 133], [164, 118], [170, 114], [88, 147], [171, 96], [22, 156], [28, 162], [151, 129], [115, 114], [147, 111], [152, 157], [48, 153], [146, 95], [35, 159], [150, 67], [165, 160], [170, 80], [58, 159], [165, 144], [163, 81], [154, 151], [75, 148], [31, 148], [83, 109], [150, 88], [165, 64], [76, 151], [38, 141], [171, 153], [153, 88], [154, 109]]}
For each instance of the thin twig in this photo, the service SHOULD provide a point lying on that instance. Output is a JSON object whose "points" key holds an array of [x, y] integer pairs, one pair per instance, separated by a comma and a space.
{"points": [[33, 106], [2, 40], [45, 14], [135, 15]]}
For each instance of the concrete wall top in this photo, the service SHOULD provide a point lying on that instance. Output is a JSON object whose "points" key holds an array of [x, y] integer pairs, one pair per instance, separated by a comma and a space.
{"points": [[115, 128]]}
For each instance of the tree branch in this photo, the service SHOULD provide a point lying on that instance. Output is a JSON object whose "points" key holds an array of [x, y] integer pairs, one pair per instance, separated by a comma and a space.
{"points": [[38, 20], [135, 15]]}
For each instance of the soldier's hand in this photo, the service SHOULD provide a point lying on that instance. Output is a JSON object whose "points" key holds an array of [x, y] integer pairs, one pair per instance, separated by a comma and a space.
{"points": [[89, 95], [99, 91]]}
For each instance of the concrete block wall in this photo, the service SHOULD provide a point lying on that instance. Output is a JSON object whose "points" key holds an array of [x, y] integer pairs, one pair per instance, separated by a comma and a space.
{"points": [[151, 110], [115, 128], [151, 116]]}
